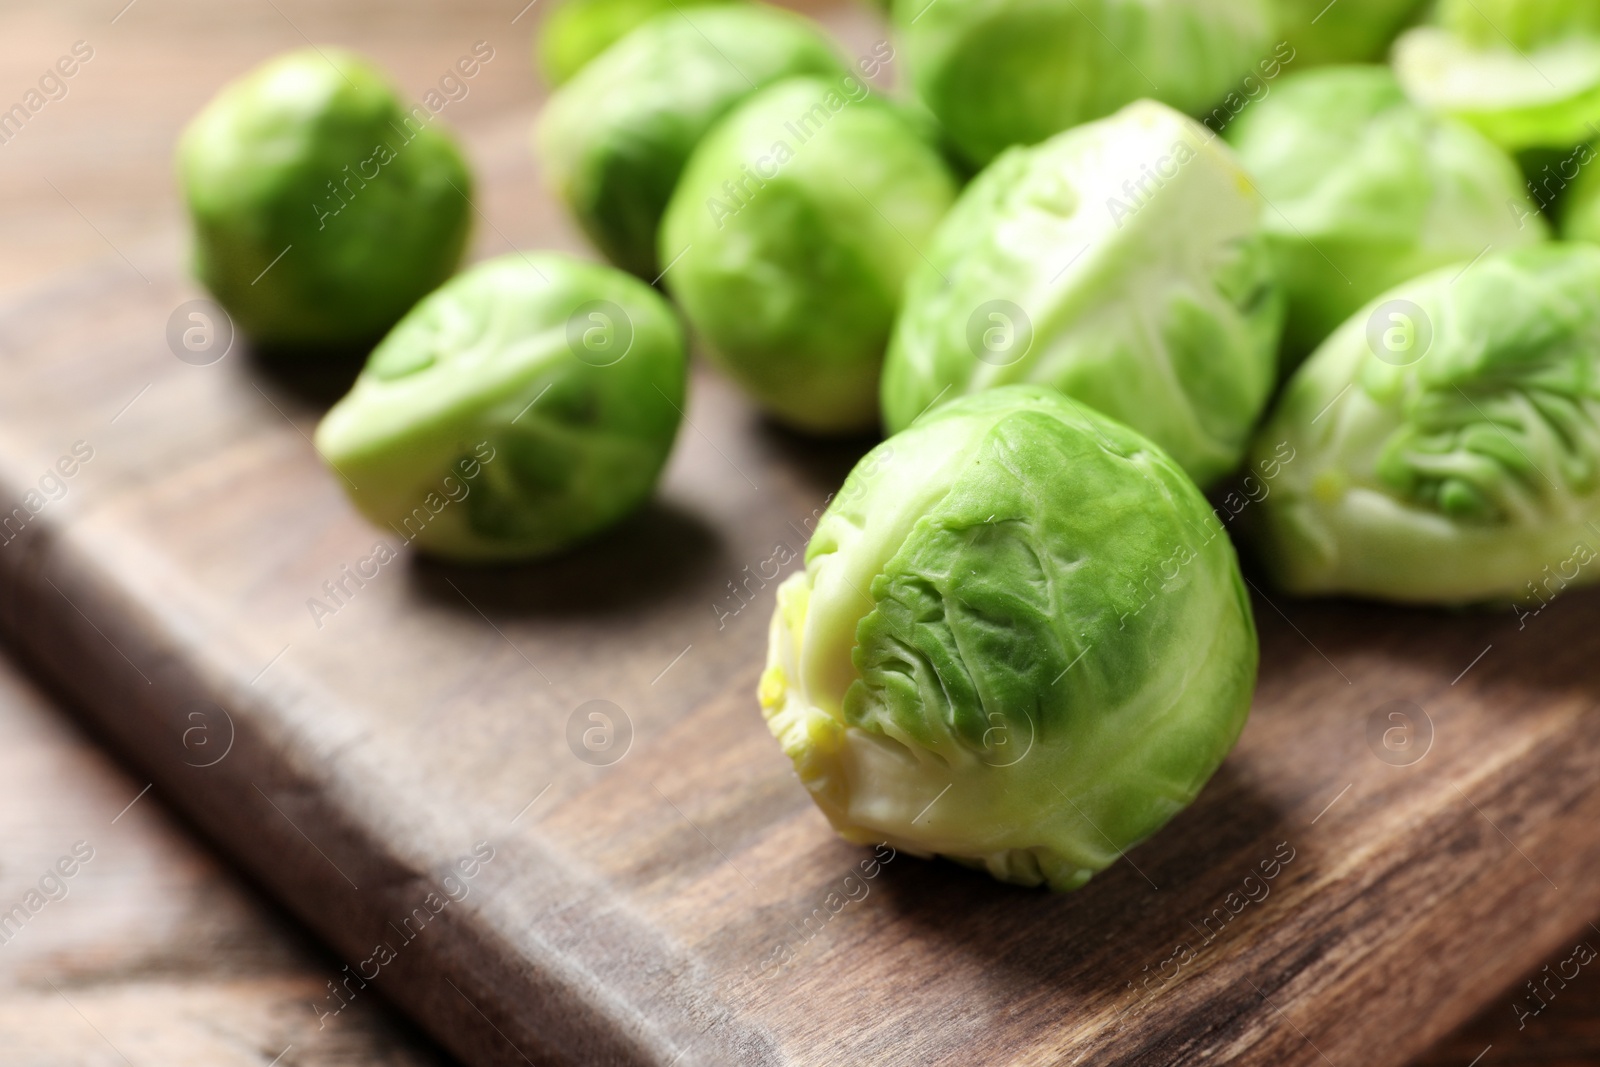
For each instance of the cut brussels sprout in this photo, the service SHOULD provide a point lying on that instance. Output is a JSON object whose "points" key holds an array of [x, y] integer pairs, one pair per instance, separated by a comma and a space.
{"points": [[579, 30], [1525, 72], [616, 138], [1446, 440], [1021, 641], [1368, 190], [789, 239], [1349, 31], [1122, 263], [1014, 72], [525, 406], [322, 208]]}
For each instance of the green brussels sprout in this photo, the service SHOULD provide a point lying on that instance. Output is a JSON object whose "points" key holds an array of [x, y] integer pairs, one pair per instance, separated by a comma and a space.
{"points": [[1122, 263], [1525, 72], [792, 231], [528, 404], [1350, 31], [1368, 190], [1518, 23], [323, 209], [1580, 212], [579, 30], [617, 137], [1021, 641], [999, 73], [1443, 446]]}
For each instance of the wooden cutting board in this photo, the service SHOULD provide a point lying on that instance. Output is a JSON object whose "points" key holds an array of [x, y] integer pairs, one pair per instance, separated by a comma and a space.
{"points": [[684, 903], [151, 949], [675, 898]]}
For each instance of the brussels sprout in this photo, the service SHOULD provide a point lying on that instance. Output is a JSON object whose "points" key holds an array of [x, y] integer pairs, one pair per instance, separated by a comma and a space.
{"points": [[1580, 213], [1016, 71], [1444, 445], [579, 30], [1120, 262], [616, 138], [1525, 72], [323, 209], [793, 230], [1518, 23], [1368, 190], [1021, 641], [1350, 31], [526, 405]]}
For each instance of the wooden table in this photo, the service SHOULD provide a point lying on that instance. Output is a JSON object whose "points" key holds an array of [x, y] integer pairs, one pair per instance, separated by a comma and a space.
{"points": [[88, 179], [161, 955], [149, 952]]}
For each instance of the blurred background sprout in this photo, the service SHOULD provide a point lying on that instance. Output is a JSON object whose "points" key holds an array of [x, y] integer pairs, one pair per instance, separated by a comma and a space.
{"points": [[999, 73], [1368, 190], [579, 30], [1349, 31], [1525, 72], [616, 138], [791, 235], [322, 207]]}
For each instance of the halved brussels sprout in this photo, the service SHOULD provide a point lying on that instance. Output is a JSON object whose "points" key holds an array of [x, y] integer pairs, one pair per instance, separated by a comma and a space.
{"points": [[525, 406], [1021, 641], [1525, 72], [789, 239], [579, 30], [617, 137], [1349, 31], [999, 73], [1120, 262], [1446, 440], [322, 208], [1367, 190]]}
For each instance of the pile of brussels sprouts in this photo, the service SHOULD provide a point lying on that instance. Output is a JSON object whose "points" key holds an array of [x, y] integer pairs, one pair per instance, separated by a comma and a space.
{"points": [[1096, 259]]}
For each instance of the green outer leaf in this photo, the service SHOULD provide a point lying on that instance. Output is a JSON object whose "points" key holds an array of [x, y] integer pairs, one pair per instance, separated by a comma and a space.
{"points": [[1155, 304], [1464, 475], [302, 231], [1368, 190], [486, 367], [1026, 602], [999, 73], [615, 139], [794, 228]]}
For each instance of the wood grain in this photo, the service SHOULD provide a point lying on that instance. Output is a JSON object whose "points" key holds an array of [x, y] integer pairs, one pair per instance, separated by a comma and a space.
{"points": [[628, 910], [1566, 1034], [150, 951]]}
